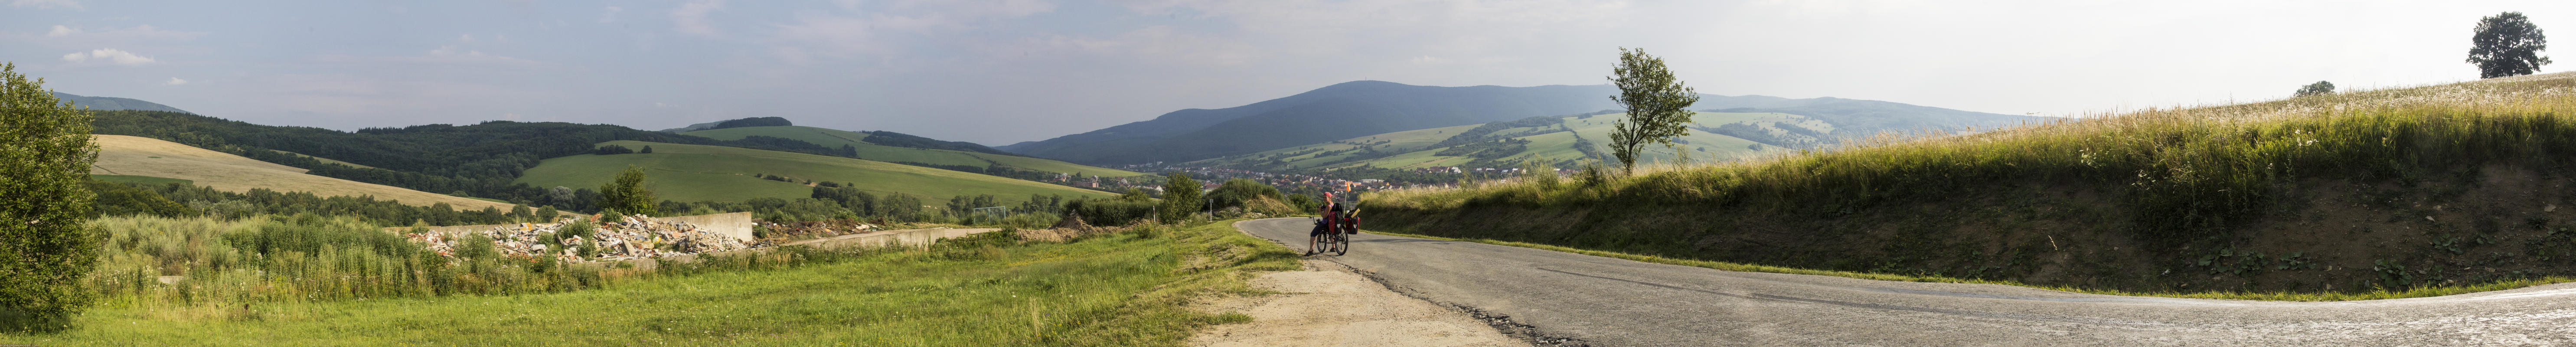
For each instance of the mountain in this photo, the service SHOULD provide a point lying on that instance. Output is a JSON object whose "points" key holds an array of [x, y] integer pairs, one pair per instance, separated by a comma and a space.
{"points": [[1333, 112], [101, 103], [1364, 108], [899, 148]]}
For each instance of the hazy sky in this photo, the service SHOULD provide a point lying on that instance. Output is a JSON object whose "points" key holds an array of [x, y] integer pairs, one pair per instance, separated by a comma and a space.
{"points": [[1003, 71]]}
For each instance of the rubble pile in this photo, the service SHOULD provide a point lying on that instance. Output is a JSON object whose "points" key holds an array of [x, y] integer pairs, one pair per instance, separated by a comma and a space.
{"points": [[814, 230], [618, 238]]}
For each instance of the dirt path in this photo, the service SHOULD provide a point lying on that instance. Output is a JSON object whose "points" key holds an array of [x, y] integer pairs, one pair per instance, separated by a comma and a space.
{"points": [[1328, 305]]}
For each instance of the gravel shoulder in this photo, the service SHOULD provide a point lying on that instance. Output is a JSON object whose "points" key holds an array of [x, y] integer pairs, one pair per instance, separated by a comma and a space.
{"points": [[1327, 304]]}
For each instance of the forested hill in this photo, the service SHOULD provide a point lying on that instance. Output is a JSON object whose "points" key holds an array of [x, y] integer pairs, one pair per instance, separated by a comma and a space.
{"points": [[479, 160]]}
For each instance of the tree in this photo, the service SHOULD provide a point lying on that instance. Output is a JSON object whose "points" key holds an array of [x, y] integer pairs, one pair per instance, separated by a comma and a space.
{"points": [[627, 194], [1180, 198], [2319, 88], [45, 247], [2507, 45], [1656, 104], [561, 195], [647, 150]]}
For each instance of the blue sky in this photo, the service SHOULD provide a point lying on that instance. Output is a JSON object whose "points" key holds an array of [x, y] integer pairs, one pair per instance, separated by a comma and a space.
{"points": [[1003, 71]]}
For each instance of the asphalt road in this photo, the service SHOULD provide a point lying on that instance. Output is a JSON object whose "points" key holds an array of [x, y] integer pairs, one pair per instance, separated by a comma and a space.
{"points": [[1613, 302]]}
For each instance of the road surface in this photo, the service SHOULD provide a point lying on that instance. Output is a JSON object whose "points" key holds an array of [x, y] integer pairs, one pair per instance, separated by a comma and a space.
{"points": [[1612, 302]]}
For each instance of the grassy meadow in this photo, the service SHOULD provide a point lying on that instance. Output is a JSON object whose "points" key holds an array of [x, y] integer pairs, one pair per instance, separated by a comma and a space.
{"points": [[715, 173], [1120, 289], [2341, 193], [870, 151]]}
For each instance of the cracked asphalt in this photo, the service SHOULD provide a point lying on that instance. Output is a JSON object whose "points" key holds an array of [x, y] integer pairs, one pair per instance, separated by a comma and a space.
{"points": [[1572, 299]]}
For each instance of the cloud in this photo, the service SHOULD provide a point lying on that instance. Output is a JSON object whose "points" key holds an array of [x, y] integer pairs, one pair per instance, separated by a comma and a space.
{"points": [[174, 81], [691, 18], [609, 14], [110, 55], [71, 4], [136, 33]]}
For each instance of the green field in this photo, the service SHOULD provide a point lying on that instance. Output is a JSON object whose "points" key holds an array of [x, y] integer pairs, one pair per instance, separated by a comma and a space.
{"points": [[140, 179], [870, 151], [714, 173], [1125, 289]]}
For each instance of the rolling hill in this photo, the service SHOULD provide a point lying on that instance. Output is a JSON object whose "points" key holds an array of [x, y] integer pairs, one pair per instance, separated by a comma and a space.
{"points": [[681, 172], [871, 151], [134, 157]]}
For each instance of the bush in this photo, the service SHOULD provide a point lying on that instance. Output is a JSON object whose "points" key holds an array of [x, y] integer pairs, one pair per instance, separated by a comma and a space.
{"points": [[1111, 212], [1240, 192]]}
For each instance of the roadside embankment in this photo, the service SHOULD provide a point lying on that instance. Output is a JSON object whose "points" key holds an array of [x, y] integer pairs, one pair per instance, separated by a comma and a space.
{"points": [[2451, 186]]}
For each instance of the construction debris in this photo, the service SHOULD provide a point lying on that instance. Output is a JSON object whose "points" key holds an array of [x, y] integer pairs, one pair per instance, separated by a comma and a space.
{"points": [[617, 238], [814, 230]]}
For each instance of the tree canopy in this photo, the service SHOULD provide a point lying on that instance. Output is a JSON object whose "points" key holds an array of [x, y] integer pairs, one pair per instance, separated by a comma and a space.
{"points": [[45, 250], [1180, 198], [2507, 45], [1656, 104], [2319, 88], [627, 194]]}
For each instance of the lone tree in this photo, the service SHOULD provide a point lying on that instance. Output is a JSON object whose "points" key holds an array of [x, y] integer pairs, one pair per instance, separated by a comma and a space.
{"points": [[2319, 88], [1180, 198], [2507, 45], [1655, 102], [45, 249], [627, 195]]}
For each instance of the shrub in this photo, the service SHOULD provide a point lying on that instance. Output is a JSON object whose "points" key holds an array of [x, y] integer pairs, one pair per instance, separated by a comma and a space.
{"points": [[1111, 212]]}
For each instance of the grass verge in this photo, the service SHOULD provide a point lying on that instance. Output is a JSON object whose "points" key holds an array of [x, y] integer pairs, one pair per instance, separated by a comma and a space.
{"points": [[1122, 289], [2416, 292]]}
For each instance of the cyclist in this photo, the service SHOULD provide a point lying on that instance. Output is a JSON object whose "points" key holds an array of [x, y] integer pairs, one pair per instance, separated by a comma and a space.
{"points": [[1325, 225]]}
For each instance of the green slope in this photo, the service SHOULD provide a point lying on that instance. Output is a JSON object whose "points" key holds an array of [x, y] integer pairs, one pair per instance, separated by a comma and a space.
{"points": [[701, 173], [837, 138]]}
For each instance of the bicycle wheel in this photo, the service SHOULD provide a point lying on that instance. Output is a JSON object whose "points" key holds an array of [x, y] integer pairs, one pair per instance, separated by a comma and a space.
{"points": [[1341, 244]]}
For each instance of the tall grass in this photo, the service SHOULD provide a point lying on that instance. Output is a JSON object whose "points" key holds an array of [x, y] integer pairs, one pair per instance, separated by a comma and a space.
{"points": [[1124, 289], [215, 262]]}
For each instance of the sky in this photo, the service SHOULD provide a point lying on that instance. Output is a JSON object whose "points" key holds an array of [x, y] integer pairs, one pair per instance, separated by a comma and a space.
{"points": [[1003, 71]]}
